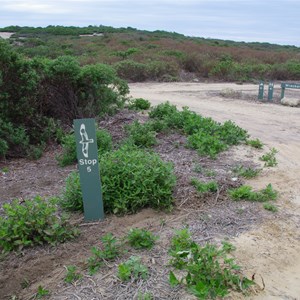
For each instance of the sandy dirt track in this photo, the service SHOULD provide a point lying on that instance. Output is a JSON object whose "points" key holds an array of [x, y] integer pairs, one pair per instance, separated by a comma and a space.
{"points": [[272, 250]]}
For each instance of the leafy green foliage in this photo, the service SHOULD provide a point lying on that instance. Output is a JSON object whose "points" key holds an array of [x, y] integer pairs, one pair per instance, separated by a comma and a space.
{"points": [[71, 199], [110, 250], [255, 143], [206, 144], [245, 192], [49, 91], [203, 187], [33, 222], [141, 135], [132, 268], [207, 271], [141, 238], [163, 110], [13, 139], [139, 104], [41, 292], [135, 179], [246, 172], [131, 179], [72, 274], [205, 135], [269, 158], [270, 207]]}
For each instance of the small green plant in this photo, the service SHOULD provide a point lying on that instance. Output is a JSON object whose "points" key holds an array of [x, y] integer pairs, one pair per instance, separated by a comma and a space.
{"points": [[270, 207], [206, 271], [141, 135], [41, 292], [245, 192], [255, 143], [139, 104], [110, 250], [72, 274], [202, 187], [246, 172], [141, 238], [5, 170], [269, 158], [33, 222], [132, 268]]}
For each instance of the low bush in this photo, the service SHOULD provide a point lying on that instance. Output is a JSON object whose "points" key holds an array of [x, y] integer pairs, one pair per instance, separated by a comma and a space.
{"points": [[206, 271], [141, 238], [131, 70], [141, 135], [203, 187], [206, 144], [72, 274], [163, 111], [33, 222], [139, 104], [131, 179], [246, 192]]}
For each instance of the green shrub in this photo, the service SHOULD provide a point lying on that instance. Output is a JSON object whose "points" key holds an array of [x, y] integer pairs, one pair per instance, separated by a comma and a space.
{"points": [[131, 70], [132, 268], [139, 104], [33, 222], [131, 179], [72, 196], [231, 134], [141, 135], [141, 238], [163, 110], [203, 187], [13, 140], [206, 271], [245, 192], [206, 144], [68, 155]]}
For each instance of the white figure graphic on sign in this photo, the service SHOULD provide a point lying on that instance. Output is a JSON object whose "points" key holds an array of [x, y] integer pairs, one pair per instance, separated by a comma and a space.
{"points": [[85, 141]]}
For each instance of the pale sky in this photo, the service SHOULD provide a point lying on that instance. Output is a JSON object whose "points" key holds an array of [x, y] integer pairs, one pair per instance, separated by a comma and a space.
{"points": [[272, 21]]}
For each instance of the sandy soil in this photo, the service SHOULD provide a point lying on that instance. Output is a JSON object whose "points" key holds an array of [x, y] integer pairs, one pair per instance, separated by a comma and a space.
{"points": [[271, 250]]}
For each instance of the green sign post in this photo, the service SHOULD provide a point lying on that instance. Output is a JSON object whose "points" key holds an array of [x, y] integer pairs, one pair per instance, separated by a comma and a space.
{"points": [[270, 91], [261, 91], [290, 86], [88, 166]]}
